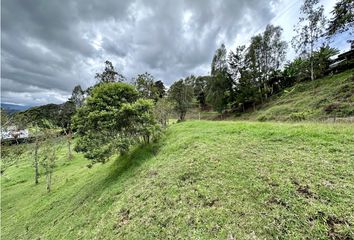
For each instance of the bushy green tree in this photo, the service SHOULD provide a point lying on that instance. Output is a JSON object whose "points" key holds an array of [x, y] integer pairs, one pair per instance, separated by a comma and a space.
{"points": [[219, 94], [160, 88], [322, 61], [297, 70], [112, 119], [181, 96], [219, 87], [263, 59], [145, 84]]}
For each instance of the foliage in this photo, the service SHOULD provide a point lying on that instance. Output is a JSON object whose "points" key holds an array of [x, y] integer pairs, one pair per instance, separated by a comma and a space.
{"points": [[342, 18], [113, 119], [255, 70], [264, 58], [219, 91], [78, 96], [147, 88], [48, 157], [109, 74], [219, 88], [181, 95], [309, 30], [321, 59], [4, 117], [300, 68], [160, 88], [310, 100], [162, 111], [297, 70], [45, 116]]}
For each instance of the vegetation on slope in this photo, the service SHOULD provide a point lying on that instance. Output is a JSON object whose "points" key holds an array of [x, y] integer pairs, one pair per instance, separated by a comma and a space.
{"points": [[203, 180], [328, 97]]}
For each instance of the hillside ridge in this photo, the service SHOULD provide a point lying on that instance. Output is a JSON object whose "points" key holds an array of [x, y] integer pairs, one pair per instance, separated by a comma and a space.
{"points": [[322, 99]]}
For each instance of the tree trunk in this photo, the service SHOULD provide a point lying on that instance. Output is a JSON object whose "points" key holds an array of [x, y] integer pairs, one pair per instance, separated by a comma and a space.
{"points": [[311, 55], [182, 116], [312, 74], [36, 171], [49, 181], [70, 156]]}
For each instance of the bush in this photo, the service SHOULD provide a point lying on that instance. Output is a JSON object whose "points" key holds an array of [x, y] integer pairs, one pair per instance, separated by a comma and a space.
{"points": [[298, 116], [262, 118], [112, 119]]}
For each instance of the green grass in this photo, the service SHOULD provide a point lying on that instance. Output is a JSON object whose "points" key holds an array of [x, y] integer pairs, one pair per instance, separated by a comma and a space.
{"points": [[202, 180], [309, 100]]}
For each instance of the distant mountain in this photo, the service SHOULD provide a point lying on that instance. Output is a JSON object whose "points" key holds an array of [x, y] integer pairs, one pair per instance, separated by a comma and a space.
{"points": [[12, 108], [41, 114]]}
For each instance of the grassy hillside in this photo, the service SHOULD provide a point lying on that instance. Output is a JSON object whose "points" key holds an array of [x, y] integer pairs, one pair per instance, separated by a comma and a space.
{"points": [[313, 100], [203, 180]]}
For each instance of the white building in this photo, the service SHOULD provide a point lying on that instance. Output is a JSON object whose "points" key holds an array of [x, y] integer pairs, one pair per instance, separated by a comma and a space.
{"points": [[12, 132]]}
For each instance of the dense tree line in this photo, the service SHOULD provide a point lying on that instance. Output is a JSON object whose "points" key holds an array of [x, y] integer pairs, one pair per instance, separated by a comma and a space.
{"points": [[247, 76]]}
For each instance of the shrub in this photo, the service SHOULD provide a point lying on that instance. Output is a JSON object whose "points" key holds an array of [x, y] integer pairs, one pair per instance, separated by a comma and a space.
{"points": [[298, 116], [112, 119]]}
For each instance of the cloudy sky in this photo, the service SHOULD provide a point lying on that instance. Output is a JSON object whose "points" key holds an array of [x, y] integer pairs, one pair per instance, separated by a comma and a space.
{"points": [[48, 47]]}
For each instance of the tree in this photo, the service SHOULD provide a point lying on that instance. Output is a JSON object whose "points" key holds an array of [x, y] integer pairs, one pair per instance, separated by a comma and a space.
{"points": [[145, 84], [78, 96], [109, 74], [309, 30], [49, 157], [181, 95], [112, 119], [297, 70], [36, 154], [66, 112], [220, 87], [160, 88], [218, 93], [236, 61], [342, 18], [162, 110], [219, 62], [321, 59], [263, 58], [273, 51], [200, 90]]}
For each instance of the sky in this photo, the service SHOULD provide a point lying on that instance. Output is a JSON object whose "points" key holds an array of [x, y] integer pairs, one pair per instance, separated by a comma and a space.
{"points": [[48, 47]]}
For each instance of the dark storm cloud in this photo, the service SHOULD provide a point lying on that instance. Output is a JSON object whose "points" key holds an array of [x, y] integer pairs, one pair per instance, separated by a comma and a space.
{"points": [[48, 47]]}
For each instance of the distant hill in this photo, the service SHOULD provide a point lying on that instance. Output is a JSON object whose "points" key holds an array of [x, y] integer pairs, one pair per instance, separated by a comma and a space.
{"points": [[321, 99], [11, 108], [47, 113]]}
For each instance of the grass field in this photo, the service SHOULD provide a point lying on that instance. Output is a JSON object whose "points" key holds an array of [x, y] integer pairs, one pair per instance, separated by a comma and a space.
{"points": [[321, 99], [202, 180]]}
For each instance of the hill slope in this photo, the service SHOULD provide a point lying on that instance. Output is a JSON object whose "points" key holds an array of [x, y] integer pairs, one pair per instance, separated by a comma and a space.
{"points": [[203, 180], [313, 100]]}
